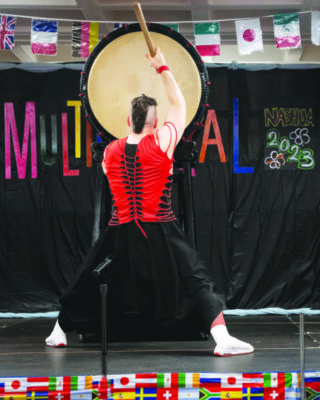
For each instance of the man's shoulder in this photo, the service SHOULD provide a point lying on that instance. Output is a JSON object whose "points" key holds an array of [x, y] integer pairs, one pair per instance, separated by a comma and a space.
{"points": [[115, 143]]}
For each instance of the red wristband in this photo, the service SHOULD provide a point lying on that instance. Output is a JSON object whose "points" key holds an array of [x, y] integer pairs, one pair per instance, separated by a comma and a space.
{"points": [[163, 68]]}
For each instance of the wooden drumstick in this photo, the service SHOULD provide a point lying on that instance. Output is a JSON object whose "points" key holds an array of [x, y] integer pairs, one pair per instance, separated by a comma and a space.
{"points": [[146, 34]]}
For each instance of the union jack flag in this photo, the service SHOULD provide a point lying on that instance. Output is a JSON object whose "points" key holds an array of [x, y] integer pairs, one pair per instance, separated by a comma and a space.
{"points": [[7, 25]]}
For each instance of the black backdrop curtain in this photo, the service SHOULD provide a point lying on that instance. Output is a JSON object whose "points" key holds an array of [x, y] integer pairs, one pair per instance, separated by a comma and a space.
{"points": [[257, 213]]}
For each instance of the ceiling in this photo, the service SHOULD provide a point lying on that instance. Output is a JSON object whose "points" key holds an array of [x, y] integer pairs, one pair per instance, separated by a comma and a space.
{"points": [[109, 11]]}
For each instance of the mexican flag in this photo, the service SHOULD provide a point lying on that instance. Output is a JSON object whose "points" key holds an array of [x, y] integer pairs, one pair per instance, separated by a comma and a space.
{"points": [[207, 36], [287, 30]]}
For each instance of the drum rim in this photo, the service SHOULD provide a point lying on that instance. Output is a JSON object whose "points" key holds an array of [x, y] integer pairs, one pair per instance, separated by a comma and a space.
{"points": [[201, 112]]}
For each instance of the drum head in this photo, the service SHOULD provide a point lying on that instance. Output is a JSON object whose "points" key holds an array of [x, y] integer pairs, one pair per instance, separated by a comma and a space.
{"points": [[117, 71]]}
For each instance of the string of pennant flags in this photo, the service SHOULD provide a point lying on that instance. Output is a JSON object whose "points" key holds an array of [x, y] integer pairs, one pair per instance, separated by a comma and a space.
{"points": [[85, 34], [164, 386]]}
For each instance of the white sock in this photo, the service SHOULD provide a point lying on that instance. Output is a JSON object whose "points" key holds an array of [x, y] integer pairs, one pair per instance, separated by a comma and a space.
{"points": [[220, 334]]}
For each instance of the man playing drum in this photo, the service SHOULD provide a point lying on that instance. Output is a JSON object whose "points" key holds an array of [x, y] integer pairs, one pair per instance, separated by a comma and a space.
{"points": [[157, 272]]}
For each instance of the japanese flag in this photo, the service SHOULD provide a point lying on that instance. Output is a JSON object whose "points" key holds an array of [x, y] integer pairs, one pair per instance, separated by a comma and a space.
{"points": [[249, 36]]}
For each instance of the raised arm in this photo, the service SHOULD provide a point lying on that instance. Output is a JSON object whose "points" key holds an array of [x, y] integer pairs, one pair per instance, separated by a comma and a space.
{"points": [[169, 134]]}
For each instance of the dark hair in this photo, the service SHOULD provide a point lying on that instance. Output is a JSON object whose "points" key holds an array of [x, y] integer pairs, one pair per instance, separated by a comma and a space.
{"points": [[139, 110]]}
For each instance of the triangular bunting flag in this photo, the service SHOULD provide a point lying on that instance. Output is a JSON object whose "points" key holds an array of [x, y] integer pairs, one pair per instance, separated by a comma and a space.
{"points": [[44, 36], [207, 36], [287, 30], [315, 27], [249, 36], [85, 36]]}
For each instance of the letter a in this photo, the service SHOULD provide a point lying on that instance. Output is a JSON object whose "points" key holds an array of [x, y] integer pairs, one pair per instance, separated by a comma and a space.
{"points": [[212, 118]]}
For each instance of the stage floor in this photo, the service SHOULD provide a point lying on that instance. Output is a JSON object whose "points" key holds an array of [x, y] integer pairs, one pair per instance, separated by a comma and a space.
{"points": [[275, 338]]}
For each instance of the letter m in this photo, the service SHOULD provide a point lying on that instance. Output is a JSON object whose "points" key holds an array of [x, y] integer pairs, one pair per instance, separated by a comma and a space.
{"points": [[29, 129]]}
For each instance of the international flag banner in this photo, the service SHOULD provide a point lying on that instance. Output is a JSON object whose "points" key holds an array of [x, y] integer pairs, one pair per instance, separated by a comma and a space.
{"points": [[249, 36], [164, 386], [44, 37], [207, 38], [315, 27], [287, 30], [85, 36], [7, 28]]}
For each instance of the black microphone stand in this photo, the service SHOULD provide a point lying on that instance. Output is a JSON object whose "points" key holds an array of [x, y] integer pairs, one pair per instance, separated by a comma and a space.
{"points": [[101, 273]]}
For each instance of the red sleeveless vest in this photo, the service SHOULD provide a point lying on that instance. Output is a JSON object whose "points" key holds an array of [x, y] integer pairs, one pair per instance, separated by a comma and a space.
{"points": [[141, 185]]}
